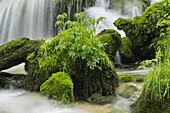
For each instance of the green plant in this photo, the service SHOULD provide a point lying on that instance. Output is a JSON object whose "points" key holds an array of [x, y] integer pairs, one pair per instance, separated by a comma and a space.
{"points": [[78, 42], [157, 81], [126, 78]]}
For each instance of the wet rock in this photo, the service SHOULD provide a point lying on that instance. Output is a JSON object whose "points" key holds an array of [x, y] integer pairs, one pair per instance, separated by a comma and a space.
{"points": [[14, 81], [16, 51]]}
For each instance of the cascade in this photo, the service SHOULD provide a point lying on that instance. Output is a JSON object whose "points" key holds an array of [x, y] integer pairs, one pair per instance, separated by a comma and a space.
{"points": [[153, 1], [118, 58], [102, 9], [25, 18]]}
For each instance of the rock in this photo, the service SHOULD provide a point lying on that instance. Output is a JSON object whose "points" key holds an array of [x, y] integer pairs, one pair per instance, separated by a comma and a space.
{"points": [[144, 31], [130, 90], [16, 51], [58, 87], [15, 81], [99, 99], [86, 81], [113, 42]]}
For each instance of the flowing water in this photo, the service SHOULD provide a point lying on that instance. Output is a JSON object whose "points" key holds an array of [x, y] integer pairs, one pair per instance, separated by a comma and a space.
{"points": [[33, 19], [25, 18], [102, 9], [20, 101]]}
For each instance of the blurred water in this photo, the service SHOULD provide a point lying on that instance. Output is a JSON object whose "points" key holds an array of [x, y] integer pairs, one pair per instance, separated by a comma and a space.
{"points": [[25, 18], [101, 9], [15, 101]]}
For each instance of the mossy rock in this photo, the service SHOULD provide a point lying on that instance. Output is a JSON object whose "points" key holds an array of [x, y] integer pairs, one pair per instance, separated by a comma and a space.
{"points": [[144, 31], [99, 99], [127, 56], [112, 40], [147, 105], [59, 87], [15, 52]]}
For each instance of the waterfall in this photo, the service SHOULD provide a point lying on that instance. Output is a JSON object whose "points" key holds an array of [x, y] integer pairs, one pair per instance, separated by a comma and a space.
{"points": [[153, 1], [118, 58], [25, 18], [102, 9]]}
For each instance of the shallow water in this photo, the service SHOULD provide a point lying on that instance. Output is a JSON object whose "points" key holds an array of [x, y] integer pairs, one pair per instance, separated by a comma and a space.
{"points": [[19, 101]]}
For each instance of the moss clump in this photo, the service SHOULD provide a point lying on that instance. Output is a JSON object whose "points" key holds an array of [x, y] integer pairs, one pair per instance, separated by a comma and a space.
{"points": [[126, 78], [59, 87], [112, 40], [143, 31], [131, 78], [139, 78]]}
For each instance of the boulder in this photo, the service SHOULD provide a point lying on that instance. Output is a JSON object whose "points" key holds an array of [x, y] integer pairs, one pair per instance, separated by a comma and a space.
{"points": [[58, 87], [144, 31], [15, 52]]}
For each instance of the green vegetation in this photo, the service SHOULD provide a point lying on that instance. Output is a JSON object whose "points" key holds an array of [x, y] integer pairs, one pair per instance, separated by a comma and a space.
{"points": [[112, 42], [59, 87], [139, 78], [78, 52], [131, 78], [78, 42], [126, 78], [143, 31], [156, 92], [127, 56]]}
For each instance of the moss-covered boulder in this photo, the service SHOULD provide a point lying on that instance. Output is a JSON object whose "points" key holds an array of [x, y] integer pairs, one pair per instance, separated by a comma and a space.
{"points": [[147, 105], [15, 52], [78, 52], [143, 31], [112, 40], [58, 87], [127, 56], [86, 81]]}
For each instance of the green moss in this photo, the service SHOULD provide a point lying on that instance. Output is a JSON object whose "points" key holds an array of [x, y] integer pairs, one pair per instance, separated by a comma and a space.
{"points": [[75, 52], [147, 105], [59, 87], [126, 78], [12, 45], [139, 78], [98, 98], [142, 31], [112, 41]]}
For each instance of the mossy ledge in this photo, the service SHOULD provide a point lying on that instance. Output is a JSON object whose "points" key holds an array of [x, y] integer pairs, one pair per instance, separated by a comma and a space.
{"points": [[16, 51]]}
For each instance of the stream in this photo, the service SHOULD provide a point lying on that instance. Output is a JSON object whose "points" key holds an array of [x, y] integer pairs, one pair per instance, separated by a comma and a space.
{"points": [[21, 101]]}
